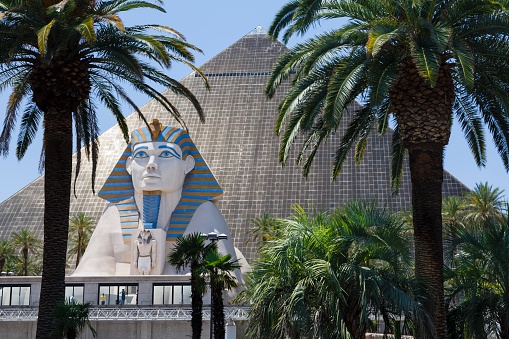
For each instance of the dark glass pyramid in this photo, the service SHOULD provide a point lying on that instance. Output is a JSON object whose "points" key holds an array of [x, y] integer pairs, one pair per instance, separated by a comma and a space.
{"points": [[240, 147]]}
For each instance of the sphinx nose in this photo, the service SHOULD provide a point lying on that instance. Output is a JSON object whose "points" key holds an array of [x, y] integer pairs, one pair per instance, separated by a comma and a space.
{"points": [[152, 165]]}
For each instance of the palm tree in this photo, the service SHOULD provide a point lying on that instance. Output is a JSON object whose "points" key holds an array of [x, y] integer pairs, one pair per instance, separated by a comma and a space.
{"points": [[327, 272], [71, 317], [484, 203], [418, 62], [263, 229], [453, 214], [453, 208], [26, 242], [6, 252], [480, 282], [61, 59], [189, 252], [219, 269], [77, 242], [80, 229], [33, 266]]}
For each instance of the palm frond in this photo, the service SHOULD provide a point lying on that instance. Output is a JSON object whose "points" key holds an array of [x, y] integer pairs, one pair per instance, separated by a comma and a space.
{"points": [[362, 119], [86, 29], [397, 161], [28, 128], [471, 125], [426, 59]]}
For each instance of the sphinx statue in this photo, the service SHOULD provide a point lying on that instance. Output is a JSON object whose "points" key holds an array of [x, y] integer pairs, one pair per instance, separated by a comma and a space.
{"points": [[161, 185]]}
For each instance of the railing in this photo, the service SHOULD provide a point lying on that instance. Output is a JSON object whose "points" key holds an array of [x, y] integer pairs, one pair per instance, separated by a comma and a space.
{"points": [[128, 313], [16, 314]]}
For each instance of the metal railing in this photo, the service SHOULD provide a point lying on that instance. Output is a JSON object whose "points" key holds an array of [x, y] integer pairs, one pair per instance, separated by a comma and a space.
{"points": [[128, 313]]}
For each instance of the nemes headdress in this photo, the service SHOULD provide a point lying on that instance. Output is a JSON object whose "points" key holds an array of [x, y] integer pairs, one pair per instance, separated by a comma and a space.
{"points": [[199, 186]]}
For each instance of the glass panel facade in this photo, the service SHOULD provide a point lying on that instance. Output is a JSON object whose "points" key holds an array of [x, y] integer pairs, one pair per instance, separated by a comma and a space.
{"points": [[5, 291], [174, 294], [186, 294], [75, 292], [14, 295], [158, 295], [118, 295], [177, 295]]}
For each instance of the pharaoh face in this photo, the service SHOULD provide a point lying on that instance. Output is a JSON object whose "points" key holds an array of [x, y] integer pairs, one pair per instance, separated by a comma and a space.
{"points": [[144, 235], [158, 166]]}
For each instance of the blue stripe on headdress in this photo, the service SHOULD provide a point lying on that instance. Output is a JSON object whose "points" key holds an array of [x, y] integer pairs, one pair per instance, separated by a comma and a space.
{"points": [[137, 134]]}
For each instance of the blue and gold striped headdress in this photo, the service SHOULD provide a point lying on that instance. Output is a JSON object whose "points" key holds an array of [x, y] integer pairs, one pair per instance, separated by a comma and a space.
{"points": [[200, 184]]}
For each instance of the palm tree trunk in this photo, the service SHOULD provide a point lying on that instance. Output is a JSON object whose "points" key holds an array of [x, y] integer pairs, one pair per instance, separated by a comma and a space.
{"points": [[78, 255], [57, 189], [426, 168], [71, 333], [196, 303], [218, 316], [352, 313], [25, 261]]}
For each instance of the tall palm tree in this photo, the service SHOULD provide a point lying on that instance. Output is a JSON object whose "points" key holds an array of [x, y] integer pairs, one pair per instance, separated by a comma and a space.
{"points": [[80, 230], [189, 252], [327, 272], [219, 268], [480, 282], [484, 203], [419, 62], [6, 252], [61, 59], [26, 242]]}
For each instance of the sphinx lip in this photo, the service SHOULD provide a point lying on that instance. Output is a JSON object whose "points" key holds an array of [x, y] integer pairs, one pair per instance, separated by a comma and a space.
{"points": [[151, 176]]}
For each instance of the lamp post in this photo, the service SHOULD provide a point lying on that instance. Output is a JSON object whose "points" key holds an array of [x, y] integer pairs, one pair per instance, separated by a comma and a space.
{"points": [[213, 236]]}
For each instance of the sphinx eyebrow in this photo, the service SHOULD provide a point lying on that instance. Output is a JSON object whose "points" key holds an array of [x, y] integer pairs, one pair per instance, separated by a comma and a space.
{"points": [[140, 147]]}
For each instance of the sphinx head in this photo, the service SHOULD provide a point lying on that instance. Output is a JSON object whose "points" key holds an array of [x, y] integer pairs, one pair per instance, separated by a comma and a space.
{"points": [[163, 151], [159, 164]]}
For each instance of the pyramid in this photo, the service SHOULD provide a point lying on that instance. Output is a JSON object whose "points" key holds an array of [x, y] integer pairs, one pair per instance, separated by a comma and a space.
{"points": [[239, 145]]}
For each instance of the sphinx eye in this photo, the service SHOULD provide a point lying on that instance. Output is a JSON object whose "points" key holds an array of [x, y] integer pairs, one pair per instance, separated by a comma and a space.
{"points": [[166, 154], [141, 155]]}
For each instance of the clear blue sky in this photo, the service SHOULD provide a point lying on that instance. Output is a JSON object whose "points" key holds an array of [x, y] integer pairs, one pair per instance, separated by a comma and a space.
{"points": [[213, 26]]}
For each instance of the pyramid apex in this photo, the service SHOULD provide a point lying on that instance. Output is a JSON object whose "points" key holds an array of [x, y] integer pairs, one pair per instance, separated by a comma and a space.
{"points": [[258, 30]]}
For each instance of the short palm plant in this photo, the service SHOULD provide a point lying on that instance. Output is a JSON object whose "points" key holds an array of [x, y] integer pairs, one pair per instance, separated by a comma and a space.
{"points": [[327, 273], [479, 283], [71, 318], [418, 63], [61, 60]]}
